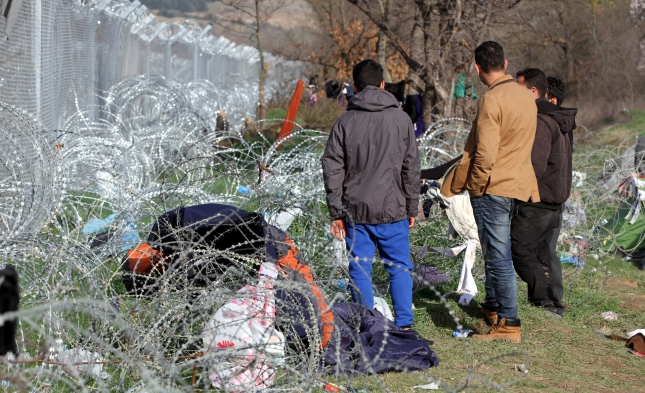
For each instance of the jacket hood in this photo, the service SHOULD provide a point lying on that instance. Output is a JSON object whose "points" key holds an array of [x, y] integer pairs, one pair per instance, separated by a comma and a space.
{"points": [[372, 99], [565, 117]]}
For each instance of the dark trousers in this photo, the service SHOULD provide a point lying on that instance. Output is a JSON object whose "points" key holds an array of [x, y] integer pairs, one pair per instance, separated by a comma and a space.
{"points": [[532, 235]]}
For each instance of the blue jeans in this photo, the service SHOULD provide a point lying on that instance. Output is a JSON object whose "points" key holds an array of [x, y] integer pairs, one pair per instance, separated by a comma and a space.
{"points": [[393, 243], [493, 216]]}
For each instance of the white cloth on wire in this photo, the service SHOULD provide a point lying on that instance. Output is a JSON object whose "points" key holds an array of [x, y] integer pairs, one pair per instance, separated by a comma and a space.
{"points": [[638, 193], [284, 217], [461, 216], [467, 286]]}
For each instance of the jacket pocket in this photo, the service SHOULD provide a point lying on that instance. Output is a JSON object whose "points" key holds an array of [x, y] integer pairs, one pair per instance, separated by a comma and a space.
{"points": [[460, 177]]}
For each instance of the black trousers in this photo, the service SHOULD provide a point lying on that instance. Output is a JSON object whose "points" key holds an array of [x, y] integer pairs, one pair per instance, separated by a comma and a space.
{"points": [[533, 230]]}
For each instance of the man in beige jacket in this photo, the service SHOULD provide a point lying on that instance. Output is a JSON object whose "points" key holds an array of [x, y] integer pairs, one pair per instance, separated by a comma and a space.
{"points": [[496, 171]]}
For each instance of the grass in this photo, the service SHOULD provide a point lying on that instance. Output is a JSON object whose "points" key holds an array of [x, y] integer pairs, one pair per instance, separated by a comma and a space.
{"points": [[321, 116], [623, 129], [568, 355], [565, 355]]}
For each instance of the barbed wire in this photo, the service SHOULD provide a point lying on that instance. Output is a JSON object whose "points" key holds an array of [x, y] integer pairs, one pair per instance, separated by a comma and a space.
{"points": [[103, 185], [74, 202]]}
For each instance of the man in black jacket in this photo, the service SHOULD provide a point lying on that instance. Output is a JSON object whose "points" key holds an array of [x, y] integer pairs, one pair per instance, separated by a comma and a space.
{"points": [[555, 91], [371, 172], [533, 227]]}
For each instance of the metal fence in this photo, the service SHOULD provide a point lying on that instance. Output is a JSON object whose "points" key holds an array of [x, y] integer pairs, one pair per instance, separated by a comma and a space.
{"points": [[63, 55]]}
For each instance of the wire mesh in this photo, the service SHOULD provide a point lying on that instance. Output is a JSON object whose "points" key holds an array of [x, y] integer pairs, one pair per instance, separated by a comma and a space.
{"points": [[101, 147]]}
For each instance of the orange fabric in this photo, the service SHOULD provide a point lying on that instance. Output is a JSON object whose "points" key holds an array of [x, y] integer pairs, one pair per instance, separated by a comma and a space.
{"points": [[144, 258], [287, 126], [290, 261]]}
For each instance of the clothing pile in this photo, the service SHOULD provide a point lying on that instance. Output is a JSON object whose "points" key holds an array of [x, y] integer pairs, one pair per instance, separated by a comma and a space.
{"points": [[278, 303]]}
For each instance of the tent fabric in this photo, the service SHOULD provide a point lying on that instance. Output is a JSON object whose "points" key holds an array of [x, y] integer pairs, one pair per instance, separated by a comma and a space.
{"points": [[439, 171], [290, 260], [210, 226], [9, 301], [368, 343], [619, 233], [179, 232]]}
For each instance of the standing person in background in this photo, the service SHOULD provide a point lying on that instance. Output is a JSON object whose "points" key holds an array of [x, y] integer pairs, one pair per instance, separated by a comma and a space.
{"points": [[532, 229], [555, 92], [371, 172], [496, 171]]}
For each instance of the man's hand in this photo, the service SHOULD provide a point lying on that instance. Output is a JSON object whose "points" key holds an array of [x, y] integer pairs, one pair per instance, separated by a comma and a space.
{"points": [[412, 220], [338, 228]]}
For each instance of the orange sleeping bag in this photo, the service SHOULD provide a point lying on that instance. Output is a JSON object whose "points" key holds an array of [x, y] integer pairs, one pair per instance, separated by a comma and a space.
{"points": [[290, 261]]}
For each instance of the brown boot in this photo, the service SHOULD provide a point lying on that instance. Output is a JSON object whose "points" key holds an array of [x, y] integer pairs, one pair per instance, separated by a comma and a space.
{"points": [[506, 329], [489, 315]]}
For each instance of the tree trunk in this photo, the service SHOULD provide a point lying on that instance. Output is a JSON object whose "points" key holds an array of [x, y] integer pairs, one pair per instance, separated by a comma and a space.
{"points": [[416, 52], [572, 83], [381, 48], [431, 60], [429, 100], [261, 110]]}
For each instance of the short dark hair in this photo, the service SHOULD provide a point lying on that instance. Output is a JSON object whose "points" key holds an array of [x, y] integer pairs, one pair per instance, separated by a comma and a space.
{"points": [[555, 89], [489, 56], [367, 73], [534, 77]]}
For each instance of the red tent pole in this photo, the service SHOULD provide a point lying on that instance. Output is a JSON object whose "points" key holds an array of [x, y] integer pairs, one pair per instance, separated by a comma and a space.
{"points": [[287, 126]]}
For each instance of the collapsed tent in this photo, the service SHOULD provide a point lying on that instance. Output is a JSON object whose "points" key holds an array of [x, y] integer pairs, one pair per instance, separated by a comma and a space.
{"points": [[193, 245], [625, 230], [280, 305]]}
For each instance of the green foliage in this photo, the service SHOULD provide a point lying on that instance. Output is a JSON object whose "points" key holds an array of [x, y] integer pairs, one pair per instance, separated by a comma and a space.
{"points": [[281, 113], [276, 114]]}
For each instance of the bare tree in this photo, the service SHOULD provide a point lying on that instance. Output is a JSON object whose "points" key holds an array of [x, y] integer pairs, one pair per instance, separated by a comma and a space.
{"points": [[246, 18], [346, 36], [440, 38], [381, 50], [595, 47]]}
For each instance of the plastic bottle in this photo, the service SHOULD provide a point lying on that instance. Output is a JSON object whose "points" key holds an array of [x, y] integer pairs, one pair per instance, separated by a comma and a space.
{"points": [[244, 190], [461, 333], [342, 284]]}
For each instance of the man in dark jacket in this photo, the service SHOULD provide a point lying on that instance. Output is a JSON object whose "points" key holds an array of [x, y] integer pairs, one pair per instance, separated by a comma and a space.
{"points": [[555, 92], [371, 171], [533, 227]]}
